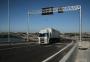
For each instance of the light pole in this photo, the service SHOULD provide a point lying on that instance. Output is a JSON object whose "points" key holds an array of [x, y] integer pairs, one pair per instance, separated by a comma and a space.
{"points": [[28, 26], [80, 25], [8, 24]]}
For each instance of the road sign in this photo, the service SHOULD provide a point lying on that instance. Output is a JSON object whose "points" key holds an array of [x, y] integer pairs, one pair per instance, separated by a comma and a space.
{"points": [[60, 10], [47, 11]]}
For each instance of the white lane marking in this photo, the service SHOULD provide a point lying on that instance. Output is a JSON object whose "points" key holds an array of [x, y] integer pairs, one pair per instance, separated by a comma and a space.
{"points": [[12, 48], [65, 58], [16, 44], [47, 59], [17, 47]]}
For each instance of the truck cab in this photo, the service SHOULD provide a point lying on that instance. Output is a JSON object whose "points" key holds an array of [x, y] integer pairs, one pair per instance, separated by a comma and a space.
{"points": [[48, 35], [43, 38]]}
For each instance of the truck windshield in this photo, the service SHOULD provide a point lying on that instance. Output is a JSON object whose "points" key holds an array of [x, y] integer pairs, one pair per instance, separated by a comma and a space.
{"points": [[43, 35]]}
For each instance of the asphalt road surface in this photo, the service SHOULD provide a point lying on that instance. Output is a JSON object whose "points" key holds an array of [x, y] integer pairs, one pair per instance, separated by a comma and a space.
{"points": [[29, 52]]}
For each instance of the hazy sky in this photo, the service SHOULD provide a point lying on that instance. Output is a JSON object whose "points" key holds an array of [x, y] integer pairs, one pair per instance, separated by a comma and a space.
{"points": [[64, 22]]}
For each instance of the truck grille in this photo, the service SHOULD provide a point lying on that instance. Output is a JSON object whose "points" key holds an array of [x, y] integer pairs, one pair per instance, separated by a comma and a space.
{"points": [[42, 40]]}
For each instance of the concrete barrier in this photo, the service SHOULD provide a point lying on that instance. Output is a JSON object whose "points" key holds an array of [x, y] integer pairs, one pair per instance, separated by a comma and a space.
{"points": [[83, 54]]}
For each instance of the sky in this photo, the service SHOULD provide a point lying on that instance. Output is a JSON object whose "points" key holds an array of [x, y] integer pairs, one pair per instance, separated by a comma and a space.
{"points": [[64, 22]]}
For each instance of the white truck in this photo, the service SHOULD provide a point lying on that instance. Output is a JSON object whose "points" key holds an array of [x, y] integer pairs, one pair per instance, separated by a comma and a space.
{"points": [[48, 35]]}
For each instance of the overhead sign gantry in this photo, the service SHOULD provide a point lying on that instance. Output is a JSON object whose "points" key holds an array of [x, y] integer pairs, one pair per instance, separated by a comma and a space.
{"points": [[51, 10]]}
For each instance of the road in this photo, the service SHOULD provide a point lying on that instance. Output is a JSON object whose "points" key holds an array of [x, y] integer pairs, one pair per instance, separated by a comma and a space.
{"points": [[29, 52]]}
